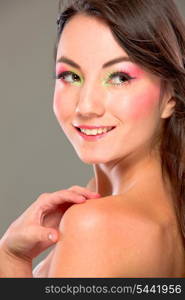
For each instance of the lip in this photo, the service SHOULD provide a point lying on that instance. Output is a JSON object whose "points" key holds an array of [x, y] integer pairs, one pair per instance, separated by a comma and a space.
{"points": [[93, 137], [92, 127]]}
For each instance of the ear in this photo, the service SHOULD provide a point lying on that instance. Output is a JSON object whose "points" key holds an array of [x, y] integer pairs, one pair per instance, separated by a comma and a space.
{"points": [[168, 108], [169, 101]]}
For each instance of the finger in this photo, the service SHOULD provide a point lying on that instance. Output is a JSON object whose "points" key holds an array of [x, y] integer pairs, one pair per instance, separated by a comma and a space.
{"points": [[46, 237], [42, 236], [50, 201], [36, 234], [30, 241], [49, 235], [84, 191], [76, 195]]}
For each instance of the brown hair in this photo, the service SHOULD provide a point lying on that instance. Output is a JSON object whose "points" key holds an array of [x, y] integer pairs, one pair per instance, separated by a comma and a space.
{"points": [[152, 33]]}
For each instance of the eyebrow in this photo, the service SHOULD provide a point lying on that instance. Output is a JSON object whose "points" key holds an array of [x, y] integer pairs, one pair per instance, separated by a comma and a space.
{"points": [[107, 64]]}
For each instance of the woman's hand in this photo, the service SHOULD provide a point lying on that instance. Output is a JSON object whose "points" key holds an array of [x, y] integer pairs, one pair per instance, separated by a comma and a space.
{"points": [[37, 228]]}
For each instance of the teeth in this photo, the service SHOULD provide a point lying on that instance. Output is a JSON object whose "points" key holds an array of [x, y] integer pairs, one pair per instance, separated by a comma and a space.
{"points": [[95, 131]]}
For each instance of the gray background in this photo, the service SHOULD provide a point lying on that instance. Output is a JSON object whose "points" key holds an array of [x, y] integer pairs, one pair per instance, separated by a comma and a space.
{"points": [[36, 157]]}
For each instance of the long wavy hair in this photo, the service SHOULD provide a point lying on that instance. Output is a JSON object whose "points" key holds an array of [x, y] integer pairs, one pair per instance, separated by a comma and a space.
{"points": [[152, 32]]}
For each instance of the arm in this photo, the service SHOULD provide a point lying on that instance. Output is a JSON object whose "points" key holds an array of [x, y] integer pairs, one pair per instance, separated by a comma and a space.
{"points": [[96, 243]]}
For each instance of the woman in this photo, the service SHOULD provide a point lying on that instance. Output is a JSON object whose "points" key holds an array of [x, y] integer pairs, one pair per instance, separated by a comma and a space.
{"points": [[120, 99]]}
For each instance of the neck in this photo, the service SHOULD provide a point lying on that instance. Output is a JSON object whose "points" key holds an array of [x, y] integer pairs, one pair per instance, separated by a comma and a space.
{"points": [[124, 174]]}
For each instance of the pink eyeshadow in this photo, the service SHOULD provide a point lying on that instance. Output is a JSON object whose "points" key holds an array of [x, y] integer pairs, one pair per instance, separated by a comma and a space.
{"points": [[132, 69], [60, 69]]}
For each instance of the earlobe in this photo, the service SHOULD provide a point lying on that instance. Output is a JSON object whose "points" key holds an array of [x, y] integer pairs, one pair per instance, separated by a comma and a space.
{"points": [[168, 109]]}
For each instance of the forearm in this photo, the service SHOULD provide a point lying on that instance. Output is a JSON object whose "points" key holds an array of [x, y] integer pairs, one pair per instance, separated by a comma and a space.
{"points": [[12, 266]]}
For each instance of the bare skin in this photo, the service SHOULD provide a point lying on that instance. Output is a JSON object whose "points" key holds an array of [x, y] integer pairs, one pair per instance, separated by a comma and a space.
{"points": [[127, 174], [159, 209], [36, 230]]}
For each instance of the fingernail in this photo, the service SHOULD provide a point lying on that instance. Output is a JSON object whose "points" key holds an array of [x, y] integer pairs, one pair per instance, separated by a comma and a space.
{"points": [[96, 194], [52, 237]]}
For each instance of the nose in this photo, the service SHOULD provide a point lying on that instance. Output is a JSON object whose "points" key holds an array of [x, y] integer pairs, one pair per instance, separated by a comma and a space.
{"points": [[91, 102]]}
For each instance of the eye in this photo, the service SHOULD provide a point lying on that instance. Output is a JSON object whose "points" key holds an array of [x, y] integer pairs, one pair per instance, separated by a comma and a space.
{"points": [[118, 78], [69, 77]]}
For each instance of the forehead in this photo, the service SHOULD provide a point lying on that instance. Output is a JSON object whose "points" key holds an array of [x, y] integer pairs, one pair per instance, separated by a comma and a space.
{"points": [[87, 38]]}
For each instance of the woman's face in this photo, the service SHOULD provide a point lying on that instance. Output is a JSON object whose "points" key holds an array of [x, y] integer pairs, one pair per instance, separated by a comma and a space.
{"points": [[97, 91]]}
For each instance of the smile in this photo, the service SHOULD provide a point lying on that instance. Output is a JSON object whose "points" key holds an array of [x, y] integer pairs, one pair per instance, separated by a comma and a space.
{"points": [[94, 134]]}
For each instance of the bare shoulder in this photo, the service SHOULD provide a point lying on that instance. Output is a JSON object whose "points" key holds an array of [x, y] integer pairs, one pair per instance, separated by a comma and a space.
{"points": [[110, 238], [113, 211]]}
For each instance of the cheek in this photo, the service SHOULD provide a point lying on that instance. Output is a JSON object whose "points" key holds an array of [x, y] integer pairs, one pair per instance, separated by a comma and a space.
{"points": [[144, 107], [143, 104], [61, 105], [56, 103]]}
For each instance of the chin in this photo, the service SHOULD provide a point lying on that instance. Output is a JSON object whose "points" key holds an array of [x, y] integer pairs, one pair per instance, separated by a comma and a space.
{"points": [[92, 159]]}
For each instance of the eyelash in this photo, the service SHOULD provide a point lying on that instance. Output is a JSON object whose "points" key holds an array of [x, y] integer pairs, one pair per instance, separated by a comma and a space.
{"points": [[110, 76], [122, 74], [65, 73]]}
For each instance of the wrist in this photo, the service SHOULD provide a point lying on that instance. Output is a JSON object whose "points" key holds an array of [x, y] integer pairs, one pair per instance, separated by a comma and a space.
{"points": [[12, 265]]}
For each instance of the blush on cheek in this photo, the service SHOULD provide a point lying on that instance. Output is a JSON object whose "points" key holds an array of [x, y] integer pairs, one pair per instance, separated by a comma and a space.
{"points": [[56, 103], [61, 104], [145, 104]]}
